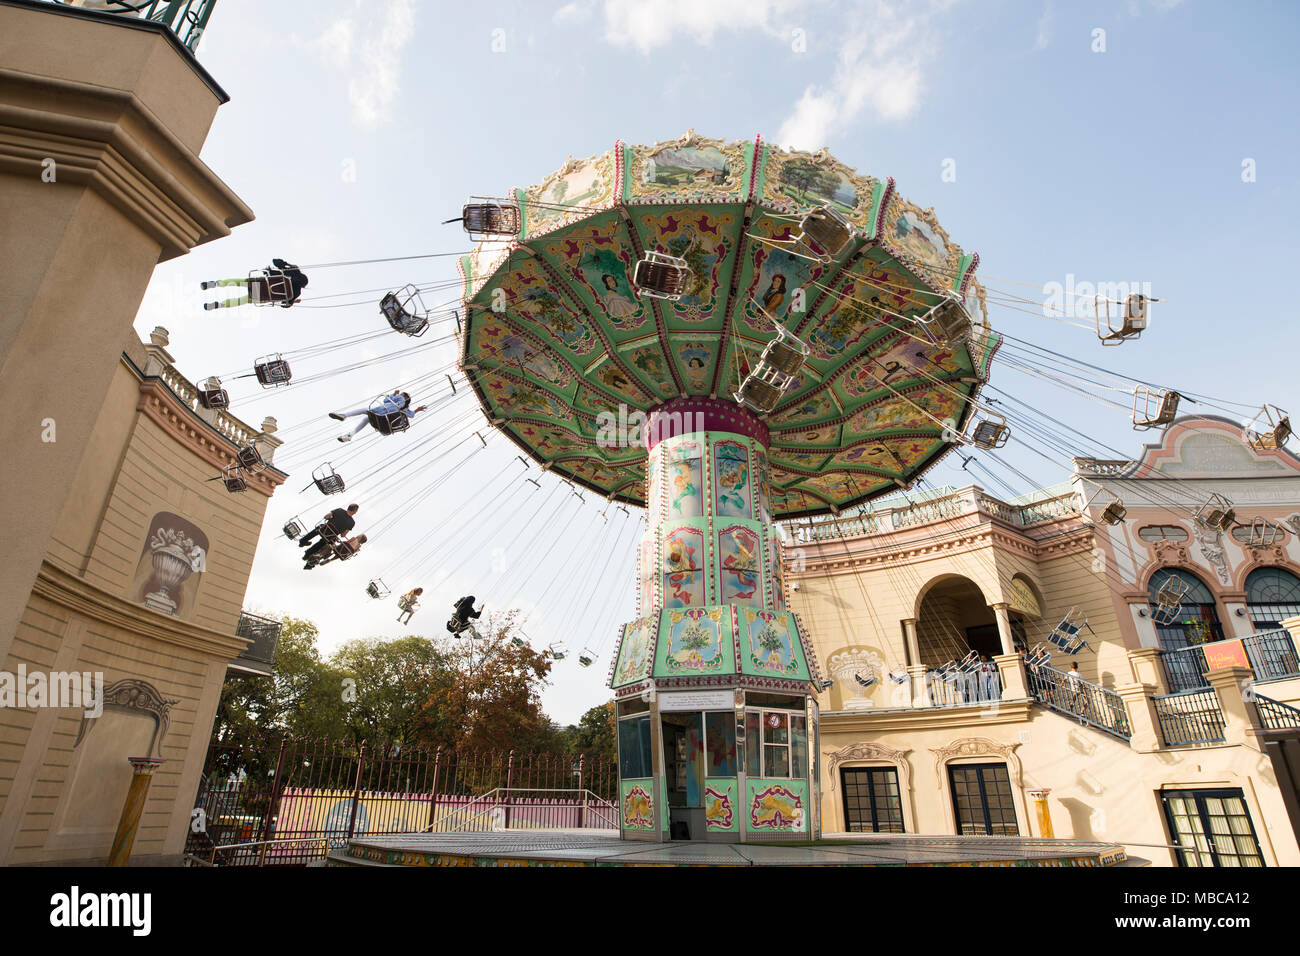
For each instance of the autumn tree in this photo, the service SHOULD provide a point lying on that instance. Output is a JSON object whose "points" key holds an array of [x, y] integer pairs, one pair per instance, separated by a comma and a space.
{"points": [[491, 696], [390, 680]]}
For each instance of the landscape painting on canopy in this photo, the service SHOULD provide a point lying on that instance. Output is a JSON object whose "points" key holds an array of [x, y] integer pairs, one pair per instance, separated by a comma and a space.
{"points": [[814, 184], [690, 164]]}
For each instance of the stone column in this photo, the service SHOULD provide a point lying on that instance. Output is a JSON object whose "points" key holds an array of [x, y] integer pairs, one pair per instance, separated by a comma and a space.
{"points": [[100, 179], [1003, 614], [913, 645], [1145, 663], [1229, 685], [916, 673], [1011, 670], [1039, 796], [1142, 719], [129, 822]]}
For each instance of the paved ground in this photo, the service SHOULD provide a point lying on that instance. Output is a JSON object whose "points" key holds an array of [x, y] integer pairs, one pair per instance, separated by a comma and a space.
{"points": [[598, 848]]}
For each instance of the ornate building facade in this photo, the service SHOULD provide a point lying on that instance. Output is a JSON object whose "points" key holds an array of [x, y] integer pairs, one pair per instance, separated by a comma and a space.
{"points": [[1180, 713]]}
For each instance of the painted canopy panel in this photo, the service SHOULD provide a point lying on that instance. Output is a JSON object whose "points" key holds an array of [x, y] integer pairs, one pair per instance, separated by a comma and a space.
{"points": [[557, 338]]}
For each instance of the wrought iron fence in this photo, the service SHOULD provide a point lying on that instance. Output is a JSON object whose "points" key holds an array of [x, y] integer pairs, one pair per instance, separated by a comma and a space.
{"points": [[294, 801], [1272, 655], [1059, 690], [1192, 717], [1275, 715], [185, 18]]}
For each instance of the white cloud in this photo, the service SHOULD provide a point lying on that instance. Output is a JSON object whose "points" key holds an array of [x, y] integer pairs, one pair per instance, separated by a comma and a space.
{"points": [[374, 89], [646, 24], [880, 69], [1044, 33], [573, 12]]}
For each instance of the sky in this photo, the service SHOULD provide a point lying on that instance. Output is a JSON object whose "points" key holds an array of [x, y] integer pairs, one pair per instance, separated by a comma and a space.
{"points": [[1149, 142]]}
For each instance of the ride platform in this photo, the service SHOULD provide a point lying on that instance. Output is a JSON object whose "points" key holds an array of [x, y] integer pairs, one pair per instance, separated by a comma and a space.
{"points": [[599, 848]]}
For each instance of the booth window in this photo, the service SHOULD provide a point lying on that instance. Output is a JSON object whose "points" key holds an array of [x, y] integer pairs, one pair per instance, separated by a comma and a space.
{"points": [[634, 747], [778, 744]]}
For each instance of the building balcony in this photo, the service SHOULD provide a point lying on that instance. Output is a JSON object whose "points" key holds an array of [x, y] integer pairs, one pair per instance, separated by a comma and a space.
{"points": [[184, 19], [259, 656]]}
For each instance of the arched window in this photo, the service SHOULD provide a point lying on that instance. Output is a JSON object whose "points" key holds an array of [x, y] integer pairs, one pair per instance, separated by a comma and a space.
{"points": [[1272, 596], [1197, 621]]}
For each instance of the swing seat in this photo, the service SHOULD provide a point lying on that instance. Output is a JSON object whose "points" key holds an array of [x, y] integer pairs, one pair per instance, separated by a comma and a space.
{"points": [[1270, 429], [585, 660], [898, 678], [405, 311], [250, 459], [947, 322], [990, 434], [272, 371], [1154, 409], [785, 353], [863, 681], [388, 423], [490, 220], [1115, 512], [378, 591], [825, 232], [293, 529], [661, 276], [1217, 514], [1132, 321], [557, 652], [212, 395], [269, 287], [233, 479], [518, 642], [758, 395], [328, 480]]}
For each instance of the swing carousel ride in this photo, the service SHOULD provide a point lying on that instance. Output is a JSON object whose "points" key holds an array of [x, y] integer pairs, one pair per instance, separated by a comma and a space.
{"points": [[734, 337]]}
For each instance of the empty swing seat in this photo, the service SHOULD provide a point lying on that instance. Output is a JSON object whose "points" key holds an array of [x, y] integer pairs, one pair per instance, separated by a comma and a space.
{"points": [[377, 590], [1132, 321], [272, 371], [405, 312], [785, 353], [1217, 514], [212, 395], [488, 220], [990, 434], [328, 480], [250, 458], [661, 276], [233, 479], [293, 529], [586, 659], [1114, 513], [759, 395], [826, 232]]}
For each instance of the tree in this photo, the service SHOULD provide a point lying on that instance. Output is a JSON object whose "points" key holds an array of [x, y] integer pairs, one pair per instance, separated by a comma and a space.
{"points": [[303, 694], [595, 734], [390, 677], [490, 698]]}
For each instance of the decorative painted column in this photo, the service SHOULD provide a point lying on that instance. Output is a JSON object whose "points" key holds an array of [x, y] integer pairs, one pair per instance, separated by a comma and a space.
{"points": [[1039, 796], [1003, 614], [714, 617], [124, 839]]}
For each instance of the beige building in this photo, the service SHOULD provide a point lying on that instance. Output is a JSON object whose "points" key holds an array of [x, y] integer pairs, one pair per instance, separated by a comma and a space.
{"points": [[1178, 718], [123, 558]]}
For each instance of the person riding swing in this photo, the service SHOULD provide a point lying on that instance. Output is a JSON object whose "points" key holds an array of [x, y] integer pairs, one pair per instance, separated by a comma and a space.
{"points": [[459, 622], [281, 285]]}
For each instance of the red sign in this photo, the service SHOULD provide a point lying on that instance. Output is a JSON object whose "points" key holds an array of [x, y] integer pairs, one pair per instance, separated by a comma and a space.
{"points": [[1223, 654]]}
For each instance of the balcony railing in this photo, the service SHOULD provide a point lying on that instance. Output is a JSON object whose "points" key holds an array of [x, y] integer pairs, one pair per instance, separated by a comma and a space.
{"points": [[1272, 655], [1275, 715], [187, 19], [1192, 717], [264, 632], [1075, 697], [955, 688]]}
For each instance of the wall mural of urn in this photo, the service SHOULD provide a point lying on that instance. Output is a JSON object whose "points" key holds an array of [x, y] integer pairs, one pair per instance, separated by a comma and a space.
{"points": [[171, 563], [858, 672]]}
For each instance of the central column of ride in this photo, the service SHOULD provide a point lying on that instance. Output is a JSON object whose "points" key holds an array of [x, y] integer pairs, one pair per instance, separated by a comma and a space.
{"points": [[714, 679]]}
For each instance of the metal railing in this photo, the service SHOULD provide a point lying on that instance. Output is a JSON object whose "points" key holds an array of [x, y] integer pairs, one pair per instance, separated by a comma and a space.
{"points": [[264, 632], [1192, 717], [533, 808], [1272, 655], [1078, 698], [303, 796], [187, 19], [1275, 715], [957, 688]]}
